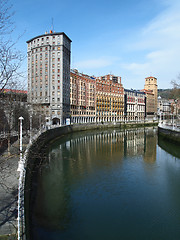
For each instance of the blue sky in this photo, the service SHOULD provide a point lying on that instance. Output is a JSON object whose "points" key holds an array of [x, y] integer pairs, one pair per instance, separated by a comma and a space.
{"points": [[129, 38]]}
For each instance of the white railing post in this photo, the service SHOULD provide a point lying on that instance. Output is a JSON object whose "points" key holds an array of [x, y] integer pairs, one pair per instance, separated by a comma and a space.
{"points": [[20, 166], [20, 169]]}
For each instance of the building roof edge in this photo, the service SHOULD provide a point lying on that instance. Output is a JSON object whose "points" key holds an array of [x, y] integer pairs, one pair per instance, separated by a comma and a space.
{"points": [[49, 34]]}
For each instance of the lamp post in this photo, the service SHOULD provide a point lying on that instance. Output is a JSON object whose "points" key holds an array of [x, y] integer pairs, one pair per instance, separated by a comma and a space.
{"points": [[40, 122], [173, 121], [162, 118]]}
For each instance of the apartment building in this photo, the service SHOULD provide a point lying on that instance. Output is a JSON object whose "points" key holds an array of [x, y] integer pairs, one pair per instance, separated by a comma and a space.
{"points": [[164, 106], [82, 97], [109, 98], [49, 76], [134, 105]]}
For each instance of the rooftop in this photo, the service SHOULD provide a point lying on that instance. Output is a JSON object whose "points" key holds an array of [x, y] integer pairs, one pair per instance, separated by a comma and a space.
{"points": [[51, 33]]}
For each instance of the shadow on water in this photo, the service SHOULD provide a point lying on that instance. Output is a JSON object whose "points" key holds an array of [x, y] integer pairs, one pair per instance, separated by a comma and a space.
{"points": [[169, 146]]}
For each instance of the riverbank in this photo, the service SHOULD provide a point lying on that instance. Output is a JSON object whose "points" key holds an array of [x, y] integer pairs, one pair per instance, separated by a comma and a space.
{"points": [[169, 133]]}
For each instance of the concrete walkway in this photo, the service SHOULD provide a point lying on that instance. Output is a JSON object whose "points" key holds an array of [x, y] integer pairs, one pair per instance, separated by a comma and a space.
{"points": [[175, 128], [9, 188]]}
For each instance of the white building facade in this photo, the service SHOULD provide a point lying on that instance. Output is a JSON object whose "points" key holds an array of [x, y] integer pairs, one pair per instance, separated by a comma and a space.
{"points": [[49, 76], [134, 105], [164, 106]]}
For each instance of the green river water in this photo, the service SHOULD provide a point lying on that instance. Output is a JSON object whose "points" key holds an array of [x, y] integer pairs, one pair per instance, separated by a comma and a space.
{"points": [[107, 185]]}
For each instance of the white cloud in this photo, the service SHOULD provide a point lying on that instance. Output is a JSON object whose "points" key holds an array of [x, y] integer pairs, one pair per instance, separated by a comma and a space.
{"points": [[160, 42]]}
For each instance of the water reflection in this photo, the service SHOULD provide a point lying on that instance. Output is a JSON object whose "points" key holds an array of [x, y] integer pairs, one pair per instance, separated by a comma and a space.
{"points": [[94, 184], [106, 144]]}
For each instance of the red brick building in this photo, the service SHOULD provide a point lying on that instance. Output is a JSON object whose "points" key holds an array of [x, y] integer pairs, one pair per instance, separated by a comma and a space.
{"points": [[82, 97], [109, 98]]}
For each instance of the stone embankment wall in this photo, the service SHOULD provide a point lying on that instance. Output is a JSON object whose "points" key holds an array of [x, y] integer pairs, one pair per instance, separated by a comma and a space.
{"points": [[169, 134]]}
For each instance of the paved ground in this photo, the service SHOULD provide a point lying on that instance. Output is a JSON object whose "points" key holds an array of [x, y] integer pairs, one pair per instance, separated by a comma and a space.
{"points": [[9, 188]]}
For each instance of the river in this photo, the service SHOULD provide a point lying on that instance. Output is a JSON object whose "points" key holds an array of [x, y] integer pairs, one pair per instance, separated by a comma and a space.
{"points": [[107, 185]]}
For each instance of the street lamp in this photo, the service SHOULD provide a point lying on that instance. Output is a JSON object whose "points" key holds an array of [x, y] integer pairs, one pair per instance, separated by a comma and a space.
{"points": [[40, 122], [173, 121]]}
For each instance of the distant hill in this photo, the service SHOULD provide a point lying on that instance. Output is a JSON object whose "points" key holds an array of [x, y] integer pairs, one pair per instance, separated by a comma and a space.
{"points": [[165, 93]]}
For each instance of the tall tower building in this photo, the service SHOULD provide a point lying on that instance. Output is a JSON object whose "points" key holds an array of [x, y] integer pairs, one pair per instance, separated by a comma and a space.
{"points": [[49, 76], [151, 84]]}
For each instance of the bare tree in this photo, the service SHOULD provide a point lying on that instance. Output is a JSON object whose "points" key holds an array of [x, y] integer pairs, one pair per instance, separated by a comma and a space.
{"points": [[175, 93], [176, 83], [10, 58], [6, 13], [10, 63]]}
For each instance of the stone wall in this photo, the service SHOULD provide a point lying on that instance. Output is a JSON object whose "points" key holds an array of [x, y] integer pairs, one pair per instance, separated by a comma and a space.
{"points": [[169, 134]]}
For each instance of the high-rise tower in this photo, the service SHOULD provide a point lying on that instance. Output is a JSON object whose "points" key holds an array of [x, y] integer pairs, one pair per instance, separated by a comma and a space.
{"points": [[49, 76]]}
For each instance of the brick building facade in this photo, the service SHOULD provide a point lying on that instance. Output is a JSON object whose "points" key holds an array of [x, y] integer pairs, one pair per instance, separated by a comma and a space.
{"points": [[82, 97], [109, 99]]}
